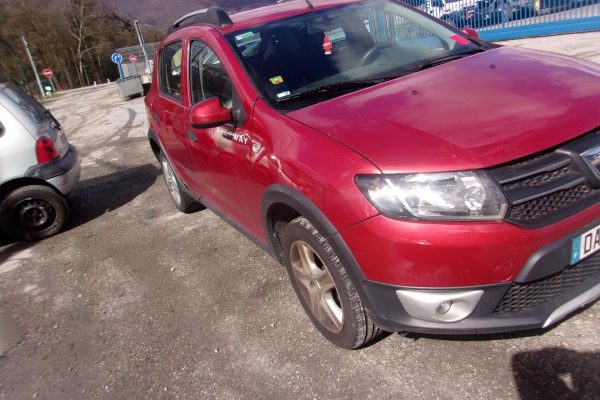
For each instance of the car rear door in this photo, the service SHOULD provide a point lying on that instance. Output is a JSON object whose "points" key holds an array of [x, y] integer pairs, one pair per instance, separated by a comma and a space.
{"points": [[170, 110]]}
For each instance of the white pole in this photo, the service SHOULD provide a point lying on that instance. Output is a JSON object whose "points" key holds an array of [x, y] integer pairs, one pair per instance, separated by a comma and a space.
{"points": [[37, 77]]}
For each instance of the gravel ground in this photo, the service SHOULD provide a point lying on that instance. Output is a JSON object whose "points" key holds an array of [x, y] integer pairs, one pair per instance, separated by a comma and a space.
{"points": [[138, 301]]}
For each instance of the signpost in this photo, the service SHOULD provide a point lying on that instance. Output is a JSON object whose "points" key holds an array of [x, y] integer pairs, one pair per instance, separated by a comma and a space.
{"points": [[47, 72], [138, 29], [35, 72], [118, 59]]}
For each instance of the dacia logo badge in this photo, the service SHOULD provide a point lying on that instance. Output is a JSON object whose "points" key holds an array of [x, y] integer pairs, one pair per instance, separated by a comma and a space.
{"points": [[592, 155]]}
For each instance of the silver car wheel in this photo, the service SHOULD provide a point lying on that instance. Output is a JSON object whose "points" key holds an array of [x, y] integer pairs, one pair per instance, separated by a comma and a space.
{"points": [[316, 286], [171, 181]]}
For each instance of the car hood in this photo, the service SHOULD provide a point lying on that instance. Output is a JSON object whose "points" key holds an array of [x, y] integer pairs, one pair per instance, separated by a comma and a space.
{"points": [[471, 113]]}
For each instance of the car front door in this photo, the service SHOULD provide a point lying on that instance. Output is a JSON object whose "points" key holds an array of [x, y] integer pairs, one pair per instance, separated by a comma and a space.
{"points": [[221, 154], [170, 112]]}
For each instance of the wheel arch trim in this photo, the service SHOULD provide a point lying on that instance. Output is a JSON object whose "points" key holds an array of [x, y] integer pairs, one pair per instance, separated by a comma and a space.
{"points": [[291, 197], [153, 137], [16, 183]]}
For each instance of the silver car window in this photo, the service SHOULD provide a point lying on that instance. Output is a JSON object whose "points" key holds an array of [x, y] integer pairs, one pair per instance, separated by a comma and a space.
{"points": [[30, 106]]}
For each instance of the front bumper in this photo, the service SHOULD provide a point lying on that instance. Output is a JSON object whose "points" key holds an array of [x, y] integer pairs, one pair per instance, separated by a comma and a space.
{"points": [[524, 275], [488, 316], [63, 173]]}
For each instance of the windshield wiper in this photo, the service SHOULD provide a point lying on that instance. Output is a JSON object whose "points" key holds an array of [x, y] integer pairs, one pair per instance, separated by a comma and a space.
{"points": [[443, 60], [334, 87]]}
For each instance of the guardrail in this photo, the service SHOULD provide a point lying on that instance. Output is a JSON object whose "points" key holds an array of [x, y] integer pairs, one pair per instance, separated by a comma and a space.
{"points": [[511, 19]]}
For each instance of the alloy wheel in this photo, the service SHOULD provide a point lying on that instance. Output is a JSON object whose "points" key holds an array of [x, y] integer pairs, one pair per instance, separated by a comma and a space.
{"points": [[171, 181], [316, 286]]}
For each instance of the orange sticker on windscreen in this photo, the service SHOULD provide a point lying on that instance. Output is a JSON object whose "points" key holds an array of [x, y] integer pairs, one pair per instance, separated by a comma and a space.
{"points": [[460, 40]]}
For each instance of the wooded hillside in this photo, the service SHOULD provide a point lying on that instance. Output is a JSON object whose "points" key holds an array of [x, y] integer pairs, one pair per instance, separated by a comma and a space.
{"points": [[74, 38]]}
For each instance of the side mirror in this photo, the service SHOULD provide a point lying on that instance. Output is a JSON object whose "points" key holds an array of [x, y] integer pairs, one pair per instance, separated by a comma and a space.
{"points": [[209, 114], [471, 32]]}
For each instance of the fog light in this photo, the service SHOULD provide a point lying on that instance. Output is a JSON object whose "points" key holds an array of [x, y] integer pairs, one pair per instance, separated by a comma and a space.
{"points": [[444, 307], [439, 305]]}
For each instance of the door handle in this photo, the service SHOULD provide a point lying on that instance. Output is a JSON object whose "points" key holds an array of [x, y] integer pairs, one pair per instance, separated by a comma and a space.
{"points": [[156, 117], [192, 136]]}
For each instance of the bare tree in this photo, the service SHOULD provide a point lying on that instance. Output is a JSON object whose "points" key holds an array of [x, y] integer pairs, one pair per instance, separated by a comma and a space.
{"points": [[74, 38]]}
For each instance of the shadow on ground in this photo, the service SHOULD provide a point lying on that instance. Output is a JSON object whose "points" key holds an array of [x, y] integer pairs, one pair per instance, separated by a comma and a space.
{"points": [[94, 197], [557, 373], [97, 196]]}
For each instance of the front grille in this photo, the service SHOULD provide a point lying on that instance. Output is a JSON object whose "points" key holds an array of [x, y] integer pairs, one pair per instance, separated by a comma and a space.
{"points": [[549, 186], [550, 204], [523, 296], [539, 179]]}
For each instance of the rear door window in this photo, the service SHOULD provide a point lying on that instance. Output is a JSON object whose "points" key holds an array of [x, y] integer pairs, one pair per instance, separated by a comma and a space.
{"points": [[31, 107], [170, 70]]}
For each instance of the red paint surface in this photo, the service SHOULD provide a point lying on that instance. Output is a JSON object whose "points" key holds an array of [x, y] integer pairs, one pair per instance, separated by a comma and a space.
{"points": [[460, 40], [472, 113]]}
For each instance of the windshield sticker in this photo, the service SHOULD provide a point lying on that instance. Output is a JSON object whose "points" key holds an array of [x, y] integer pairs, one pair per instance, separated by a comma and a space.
{"points": [[276, 80], [460, 40], [244, 36], [283, 94], [336, 35], [327, 45]]}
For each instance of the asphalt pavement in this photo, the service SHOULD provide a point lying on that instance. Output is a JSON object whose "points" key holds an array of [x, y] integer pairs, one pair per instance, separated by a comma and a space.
{"points": [[137, 301]]}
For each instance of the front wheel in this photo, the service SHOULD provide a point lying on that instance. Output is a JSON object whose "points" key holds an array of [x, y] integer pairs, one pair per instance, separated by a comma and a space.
{"points": [[33, 212], [324, 288]]}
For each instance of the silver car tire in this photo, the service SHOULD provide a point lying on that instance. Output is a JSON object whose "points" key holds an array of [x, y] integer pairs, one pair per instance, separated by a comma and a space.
{"points": [[33, 212]]}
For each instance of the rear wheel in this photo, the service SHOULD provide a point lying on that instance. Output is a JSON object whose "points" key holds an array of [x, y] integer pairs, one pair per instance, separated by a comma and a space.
{"points": [[184, 202], [324, 288], [33, 212]]}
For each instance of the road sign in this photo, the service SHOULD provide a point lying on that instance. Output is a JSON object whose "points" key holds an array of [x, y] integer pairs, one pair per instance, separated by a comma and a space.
{"points": [[132, 59], [116, 58], [47, 72]]}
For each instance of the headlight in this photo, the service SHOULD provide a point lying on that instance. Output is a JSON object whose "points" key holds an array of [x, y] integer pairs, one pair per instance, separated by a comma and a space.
{"points": [[435, 196]]}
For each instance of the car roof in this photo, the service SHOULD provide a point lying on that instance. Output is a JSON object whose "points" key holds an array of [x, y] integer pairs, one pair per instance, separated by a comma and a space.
{"points": [[274, 12], [279, 11]]}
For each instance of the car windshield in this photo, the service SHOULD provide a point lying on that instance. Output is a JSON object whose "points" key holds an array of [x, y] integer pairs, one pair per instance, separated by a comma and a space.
{"points": [[309, 58]]}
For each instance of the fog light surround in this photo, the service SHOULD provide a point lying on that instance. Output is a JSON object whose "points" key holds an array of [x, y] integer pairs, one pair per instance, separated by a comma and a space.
{"points": [[439, 305]]}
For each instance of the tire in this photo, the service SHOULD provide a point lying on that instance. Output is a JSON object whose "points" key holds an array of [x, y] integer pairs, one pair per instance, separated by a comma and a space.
{"points": [[324, 288], [183, 201], [33, 213]]}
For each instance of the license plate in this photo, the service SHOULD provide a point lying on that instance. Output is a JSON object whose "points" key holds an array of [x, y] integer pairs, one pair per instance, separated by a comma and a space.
{"points": [[585, 245]]}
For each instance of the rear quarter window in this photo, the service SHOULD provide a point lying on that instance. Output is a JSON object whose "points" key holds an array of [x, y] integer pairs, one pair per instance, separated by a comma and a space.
{"points": [[31, 107]]}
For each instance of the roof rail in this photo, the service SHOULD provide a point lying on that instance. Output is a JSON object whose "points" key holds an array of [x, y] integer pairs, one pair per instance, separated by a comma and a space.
{"points": [[210, 16], [308, 3]]}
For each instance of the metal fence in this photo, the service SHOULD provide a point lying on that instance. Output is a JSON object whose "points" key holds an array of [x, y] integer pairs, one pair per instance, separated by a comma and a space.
{"points": [[511, 19], [139, 67]]}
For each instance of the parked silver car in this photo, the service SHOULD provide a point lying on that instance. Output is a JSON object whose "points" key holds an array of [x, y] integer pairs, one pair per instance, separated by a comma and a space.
{"points": [[38, 168]]}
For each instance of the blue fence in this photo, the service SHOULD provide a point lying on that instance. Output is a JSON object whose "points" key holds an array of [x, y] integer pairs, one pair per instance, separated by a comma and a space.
{"points": [[511, 19]]}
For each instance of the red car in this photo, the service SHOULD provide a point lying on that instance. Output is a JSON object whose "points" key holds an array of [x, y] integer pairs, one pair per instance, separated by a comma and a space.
{"points": [[410, 176]]}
